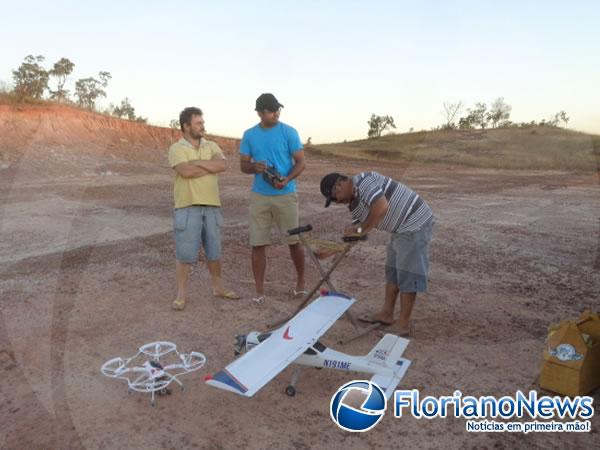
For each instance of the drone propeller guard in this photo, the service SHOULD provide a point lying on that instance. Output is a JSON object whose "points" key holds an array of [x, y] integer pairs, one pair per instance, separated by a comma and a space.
{"points": [[151, 376]]}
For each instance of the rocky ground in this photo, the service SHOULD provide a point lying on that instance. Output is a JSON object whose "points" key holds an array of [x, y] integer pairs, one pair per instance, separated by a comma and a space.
{"points": [[87, 273]]}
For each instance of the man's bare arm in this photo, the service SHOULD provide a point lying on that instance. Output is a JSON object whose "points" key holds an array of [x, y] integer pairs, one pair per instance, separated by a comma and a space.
{"points": [[188, 170], [299, 165], [248, 166], [376, 214], [215, 165]]}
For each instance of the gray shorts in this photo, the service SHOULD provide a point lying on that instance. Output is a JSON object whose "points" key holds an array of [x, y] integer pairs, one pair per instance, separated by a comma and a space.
{"points": [[407, 262], [195, 226]]}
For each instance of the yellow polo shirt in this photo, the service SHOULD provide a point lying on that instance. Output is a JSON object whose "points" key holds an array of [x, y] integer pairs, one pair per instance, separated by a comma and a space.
{"points": [[195, 191]]}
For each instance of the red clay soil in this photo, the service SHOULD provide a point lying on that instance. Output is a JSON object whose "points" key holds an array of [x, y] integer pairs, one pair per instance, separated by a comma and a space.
{"points": [[87, 274], [71, 129]]}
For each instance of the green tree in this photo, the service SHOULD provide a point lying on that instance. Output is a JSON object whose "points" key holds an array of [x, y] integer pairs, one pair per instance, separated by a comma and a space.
{"points": [[378, 124], [124, 110], [479, 115], [175, 124], [61, 70], [88, 90], [31, 79], [499, 112], [467, 122], [561, 116]]}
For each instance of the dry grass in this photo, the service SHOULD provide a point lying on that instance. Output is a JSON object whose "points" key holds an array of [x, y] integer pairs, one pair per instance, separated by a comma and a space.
{"points": [[543, 148], [10, 98]]}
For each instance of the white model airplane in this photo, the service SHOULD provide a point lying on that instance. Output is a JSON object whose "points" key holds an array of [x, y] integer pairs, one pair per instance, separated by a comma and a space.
{"points": [[297, 342]]}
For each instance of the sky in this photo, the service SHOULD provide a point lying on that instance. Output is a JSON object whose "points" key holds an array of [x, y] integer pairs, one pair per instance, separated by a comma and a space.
{"points": [[331, 63]]}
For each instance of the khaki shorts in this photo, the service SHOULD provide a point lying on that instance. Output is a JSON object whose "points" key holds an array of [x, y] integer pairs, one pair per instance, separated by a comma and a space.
{"points": [[266, 210]]}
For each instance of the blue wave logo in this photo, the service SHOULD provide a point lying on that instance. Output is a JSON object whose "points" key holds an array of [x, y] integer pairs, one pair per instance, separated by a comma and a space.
{"points": [[358, 406]]}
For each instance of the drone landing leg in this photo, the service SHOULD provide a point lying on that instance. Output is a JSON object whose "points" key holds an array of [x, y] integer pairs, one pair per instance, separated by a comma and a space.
{"points": [[291, 389], [178, 382]]}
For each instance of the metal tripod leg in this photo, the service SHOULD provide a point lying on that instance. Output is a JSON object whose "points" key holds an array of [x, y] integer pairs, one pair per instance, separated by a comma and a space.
{"points": [[360, 333], [325, 278], [359, 330]]}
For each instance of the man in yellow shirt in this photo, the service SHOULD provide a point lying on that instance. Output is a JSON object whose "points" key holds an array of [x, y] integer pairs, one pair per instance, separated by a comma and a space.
{"points": [[197, 217]]}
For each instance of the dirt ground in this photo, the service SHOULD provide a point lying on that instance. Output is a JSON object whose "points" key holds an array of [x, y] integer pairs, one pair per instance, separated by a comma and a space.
{"points": [[87, 274]]}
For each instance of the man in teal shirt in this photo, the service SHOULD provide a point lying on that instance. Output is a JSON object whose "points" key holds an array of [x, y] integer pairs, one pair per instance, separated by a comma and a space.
{"points": [[272, 144]]}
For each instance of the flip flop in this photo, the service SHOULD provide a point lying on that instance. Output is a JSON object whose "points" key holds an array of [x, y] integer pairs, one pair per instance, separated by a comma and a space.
{"points": [[366, 319], [179, 304], [403, 332], [227, 294], [259, 300], [296, 293]]}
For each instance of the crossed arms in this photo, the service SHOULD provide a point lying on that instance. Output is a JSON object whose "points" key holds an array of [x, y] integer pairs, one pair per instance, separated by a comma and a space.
{"points": [[198, 167]]}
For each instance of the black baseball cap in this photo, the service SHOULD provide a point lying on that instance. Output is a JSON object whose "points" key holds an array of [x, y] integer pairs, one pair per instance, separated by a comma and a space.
{"points": [[268, 102], [327, 186]]}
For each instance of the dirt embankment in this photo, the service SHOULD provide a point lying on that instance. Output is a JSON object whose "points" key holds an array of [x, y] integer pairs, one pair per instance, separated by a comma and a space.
{"points": [[45, 131]]}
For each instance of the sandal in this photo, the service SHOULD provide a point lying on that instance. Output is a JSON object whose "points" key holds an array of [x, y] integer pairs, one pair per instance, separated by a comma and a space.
{"points": [[179, 304], [227, 294], [296, 293], [259, 300], [370, 320]]}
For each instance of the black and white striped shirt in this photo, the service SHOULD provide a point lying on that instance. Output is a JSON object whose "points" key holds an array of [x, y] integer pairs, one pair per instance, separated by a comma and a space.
{"points": [[407, 210]]}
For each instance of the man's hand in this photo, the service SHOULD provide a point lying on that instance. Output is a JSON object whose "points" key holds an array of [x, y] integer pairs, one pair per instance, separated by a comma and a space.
{"points": [[354, 231], [281, 184], [249, 167], [259, 166]]}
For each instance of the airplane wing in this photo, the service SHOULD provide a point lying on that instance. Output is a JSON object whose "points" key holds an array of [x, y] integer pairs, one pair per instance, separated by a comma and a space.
{"points": [[250, 372]]}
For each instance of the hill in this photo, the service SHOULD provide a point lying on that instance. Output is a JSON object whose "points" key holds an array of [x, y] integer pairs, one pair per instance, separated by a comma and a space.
{"points": [[544, 148], [51, 138], [48, 137]]}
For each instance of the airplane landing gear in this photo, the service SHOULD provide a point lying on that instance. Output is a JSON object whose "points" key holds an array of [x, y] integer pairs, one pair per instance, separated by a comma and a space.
{"points": [[291, 389]]}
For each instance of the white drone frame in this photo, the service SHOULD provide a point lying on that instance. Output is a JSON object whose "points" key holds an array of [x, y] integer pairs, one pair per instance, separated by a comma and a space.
{"points": [[151, 376]]}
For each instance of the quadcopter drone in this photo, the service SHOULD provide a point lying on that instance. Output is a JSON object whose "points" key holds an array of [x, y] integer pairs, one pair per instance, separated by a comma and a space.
{"points": [[151, 375]]}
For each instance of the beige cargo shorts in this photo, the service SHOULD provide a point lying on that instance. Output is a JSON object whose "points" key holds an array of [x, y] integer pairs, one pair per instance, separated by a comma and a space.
{"points": [[266, 210]]}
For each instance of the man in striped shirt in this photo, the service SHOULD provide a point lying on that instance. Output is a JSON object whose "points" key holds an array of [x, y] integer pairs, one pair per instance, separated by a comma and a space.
{"points": [[377, 201]]}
